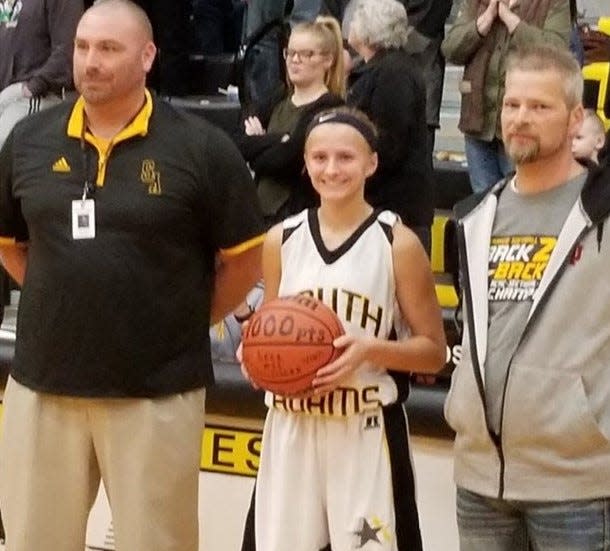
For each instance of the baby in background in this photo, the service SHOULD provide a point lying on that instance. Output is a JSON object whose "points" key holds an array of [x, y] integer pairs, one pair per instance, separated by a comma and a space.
{"points": [[590, 139]]}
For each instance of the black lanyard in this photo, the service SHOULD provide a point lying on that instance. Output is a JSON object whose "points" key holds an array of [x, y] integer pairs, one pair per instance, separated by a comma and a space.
{"points": [[88, 185]]}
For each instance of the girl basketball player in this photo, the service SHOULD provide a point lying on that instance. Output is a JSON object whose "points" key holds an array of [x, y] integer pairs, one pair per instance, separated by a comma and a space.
{"points": [[335, 470]]}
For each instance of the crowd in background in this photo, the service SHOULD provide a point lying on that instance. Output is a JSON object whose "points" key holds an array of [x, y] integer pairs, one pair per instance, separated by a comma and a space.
{"points": [[222, 27], [35, 72]]}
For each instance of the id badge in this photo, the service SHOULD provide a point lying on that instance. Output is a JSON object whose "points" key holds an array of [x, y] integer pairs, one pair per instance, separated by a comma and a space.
{"points": [[83, 219]]}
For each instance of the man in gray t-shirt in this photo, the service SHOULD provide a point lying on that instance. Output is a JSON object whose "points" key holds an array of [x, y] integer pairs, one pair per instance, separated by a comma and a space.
{"points": [[530, 399], [524, 234]]}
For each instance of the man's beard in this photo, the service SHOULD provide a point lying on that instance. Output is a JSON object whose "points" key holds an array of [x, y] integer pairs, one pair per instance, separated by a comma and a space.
{"points": [[525, 153]]}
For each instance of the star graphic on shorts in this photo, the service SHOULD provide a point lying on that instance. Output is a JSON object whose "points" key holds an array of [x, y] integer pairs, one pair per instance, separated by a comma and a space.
{"points": [[367, 533]]}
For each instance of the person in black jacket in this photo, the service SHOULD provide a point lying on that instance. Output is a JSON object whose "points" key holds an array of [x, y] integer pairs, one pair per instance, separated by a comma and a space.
{"points": [[427, 18], [391, 91], [170, 21], [604, 154], [274, 133]]}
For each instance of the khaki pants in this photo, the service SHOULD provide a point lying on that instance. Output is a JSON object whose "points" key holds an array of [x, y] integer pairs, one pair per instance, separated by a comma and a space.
{"points": [[54, 450]]}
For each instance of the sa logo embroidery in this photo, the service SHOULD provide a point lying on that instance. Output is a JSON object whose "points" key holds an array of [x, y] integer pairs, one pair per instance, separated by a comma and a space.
{"points": [[61, 165], [151, 177]]}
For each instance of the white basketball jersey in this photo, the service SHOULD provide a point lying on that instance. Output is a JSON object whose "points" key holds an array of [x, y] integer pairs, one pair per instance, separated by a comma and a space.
{"points": [[357, 281]]}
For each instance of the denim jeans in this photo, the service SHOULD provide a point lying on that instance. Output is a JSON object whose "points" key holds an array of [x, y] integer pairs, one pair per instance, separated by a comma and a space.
{"points": [[489, 524], [487, 162]]}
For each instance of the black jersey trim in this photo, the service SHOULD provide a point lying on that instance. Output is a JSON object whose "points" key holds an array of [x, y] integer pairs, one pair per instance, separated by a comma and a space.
{"points": [[388, 231], [329, 257], [289, 231], [408, 534], [248, 542], [402, 379]]}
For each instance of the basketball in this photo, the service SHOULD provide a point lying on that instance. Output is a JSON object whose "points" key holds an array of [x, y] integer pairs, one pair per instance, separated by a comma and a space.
{"points": [[287, 340]]}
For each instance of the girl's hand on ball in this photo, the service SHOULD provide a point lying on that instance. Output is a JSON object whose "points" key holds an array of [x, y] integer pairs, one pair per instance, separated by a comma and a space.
{"points": [[333, 374], [239, 355]]}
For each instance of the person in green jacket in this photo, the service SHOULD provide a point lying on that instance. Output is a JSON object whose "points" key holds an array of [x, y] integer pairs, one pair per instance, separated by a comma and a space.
{"points": [[480, 38]]}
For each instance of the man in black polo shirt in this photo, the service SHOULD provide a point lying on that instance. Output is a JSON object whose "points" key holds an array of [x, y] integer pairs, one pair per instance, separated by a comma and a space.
{"points": [[130, 226]]}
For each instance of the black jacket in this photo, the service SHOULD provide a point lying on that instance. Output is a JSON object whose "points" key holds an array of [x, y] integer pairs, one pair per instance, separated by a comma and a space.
{"points": [[391, 91], [268, 155], [604, 154]]}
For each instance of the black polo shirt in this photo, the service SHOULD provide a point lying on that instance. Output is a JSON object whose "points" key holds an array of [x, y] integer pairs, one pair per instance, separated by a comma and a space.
{"points": [[127, 312]]}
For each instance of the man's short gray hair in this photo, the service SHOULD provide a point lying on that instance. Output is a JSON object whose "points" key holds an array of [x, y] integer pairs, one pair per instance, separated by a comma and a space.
{"points": [[381, 24], [544, 57]]}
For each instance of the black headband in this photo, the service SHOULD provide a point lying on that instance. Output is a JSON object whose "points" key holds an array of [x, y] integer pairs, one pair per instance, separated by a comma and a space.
{"points": [[345, 118]]}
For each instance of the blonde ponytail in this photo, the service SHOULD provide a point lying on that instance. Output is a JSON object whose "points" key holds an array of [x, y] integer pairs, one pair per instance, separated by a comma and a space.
{"points": [[335, 78]]}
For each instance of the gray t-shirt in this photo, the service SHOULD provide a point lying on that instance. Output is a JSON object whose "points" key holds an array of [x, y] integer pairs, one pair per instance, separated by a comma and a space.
{"points": [[524, 235]]}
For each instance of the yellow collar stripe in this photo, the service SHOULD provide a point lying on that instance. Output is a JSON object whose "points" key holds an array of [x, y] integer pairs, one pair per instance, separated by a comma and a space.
{"points": [[137, 127]]}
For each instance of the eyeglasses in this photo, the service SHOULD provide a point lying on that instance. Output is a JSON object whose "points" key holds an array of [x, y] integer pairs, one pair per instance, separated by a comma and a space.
{"points": [[301, 55]]}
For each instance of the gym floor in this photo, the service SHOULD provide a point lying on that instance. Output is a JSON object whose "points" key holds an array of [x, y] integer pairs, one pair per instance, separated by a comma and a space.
{"points": [[435, 493], [224, 501]]}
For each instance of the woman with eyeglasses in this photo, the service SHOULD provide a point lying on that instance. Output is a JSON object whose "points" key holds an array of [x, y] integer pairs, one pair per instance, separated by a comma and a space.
{"points": [[274, 133], [390, 89]]}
